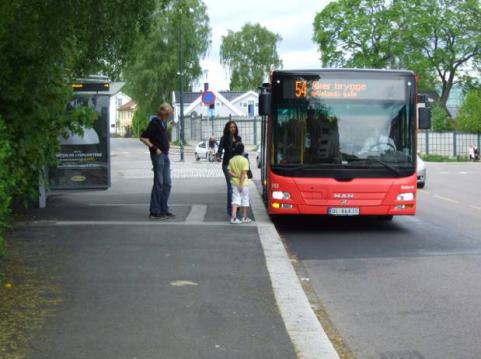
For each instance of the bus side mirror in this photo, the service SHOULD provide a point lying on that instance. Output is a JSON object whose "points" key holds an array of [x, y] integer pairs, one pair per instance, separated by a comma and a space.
{"points": [[424, 117], [265, 103]]}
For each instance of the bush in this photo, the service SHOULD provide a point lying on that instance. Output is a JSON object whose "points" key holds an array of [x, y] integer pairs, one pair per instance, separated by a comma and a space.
{"points": [[140, 121], [6, 183], [469, 116], [441, 119], [440, 158]]}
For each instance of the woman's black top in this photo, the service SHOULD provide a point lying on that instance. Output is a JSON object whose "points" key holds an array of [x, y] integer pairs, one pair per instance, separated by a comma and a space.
{"points": [[228, 146]]}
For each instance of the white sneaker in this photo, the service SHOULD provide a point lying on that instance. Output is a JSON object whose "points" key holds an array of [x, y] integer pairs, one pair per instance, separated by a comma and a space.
{"points": [[246, 220], [235, 221]]}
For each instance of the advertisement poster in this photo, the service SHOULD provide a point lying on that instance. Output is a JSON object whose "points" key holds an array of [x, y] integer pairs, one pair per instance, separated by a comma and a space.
{"points": [[84, 161]]}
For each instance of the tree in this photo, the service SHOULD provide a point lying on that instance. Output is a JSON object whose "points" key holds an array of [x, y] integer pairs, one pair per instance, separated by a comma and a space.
{"points": [[250, 55], [469, 116], [441, 121], [447, 33], [356, 33], [435, 38], [43, 48], [153, 73]]}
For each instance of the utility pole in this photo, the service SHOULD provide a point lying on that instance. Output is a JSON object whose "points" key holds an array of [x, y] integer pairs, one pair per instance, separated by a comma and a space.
{"points": [[181, 90]]}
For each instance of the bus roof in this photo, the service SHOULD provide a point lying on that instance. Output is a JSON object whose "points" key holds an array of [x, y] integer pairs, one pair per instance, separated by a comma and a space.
{"points": [[343, 70]]}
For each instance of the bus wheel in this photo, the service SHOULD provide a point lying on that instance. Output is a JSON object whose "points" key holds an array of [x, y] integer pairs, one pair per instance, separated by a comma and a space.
{"points": [[385, 218]]}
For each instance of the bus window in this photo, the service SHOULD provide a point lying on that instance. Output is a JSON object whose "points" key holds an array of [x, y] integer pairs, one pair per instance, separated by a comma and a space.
{"points": [[323, 133], [289, 133]]}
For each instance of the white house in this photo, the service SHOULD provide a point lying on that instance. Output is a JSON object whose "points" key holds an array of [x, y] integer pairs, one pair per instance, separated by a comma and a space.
{"points": [[227, 103], [117, 99], [125, 115]]}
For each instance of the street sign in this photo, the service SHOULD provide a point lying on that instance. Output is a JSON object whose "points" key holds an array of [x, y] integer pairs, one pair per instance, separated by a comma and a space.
{"points": [[208, 98]]}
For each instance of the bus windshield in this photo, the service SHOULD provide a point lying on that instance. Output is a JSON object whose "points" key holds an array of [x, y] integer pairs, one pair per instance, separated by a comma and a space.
{"points": [[318, 132]]}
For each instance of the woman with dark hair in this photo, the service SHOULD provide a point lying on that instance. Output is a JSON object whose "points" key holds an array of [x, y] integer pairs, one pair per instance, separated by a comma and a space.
{"points": [[227, 145]]}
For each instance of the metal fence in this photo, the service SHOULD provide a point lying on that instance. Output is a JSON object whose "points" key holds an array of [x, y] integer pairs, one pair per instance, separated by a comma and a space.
{"points": [[201, 128], [196, 129], [451, 144]]}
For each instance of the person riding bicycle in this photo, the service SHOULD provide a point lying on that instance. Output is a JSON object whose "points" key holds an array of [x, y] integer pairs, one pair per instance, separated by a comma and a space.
{"points": [[212, 148], [212, 142]]}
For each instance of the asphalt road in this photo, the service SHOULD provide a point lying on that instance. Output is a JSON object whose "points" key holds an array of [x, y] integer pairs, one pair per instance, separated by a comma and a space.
{"points": [[409, 288]]}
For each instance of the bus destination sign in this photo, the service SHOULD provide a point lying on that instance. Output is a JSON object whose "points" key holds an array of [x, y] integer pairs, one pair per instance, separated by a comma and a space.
{"points": [[362, 89], [91, 87], [333, 89]]}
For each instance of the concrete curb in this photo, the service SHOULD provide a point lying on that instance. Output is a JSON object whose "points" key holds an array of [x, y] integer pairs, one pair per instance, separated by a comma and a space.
{"points": [[308, 337]]}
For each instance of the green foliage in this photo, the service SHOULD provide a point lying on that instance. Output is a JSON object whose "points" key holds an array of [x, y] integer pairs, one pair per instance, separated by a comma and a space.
{"points": [[6, 182], [469, 116], [44, 47], [357, 34], [447, 34], [153, 74], [468, 83], [140, 121], [250, 55], [434, 38], [441, 121], [440, 158]]}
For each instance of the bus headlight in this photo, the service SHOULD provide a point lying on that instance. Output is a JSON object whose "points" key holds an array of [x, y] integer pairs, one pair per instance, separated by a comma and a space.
{"points": [[281, 195], [405, 196]]}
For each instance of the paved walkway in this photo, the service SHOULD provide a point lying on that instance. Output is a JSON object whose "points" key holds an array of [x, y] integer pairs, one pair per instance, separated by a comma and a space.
{"points": [[192, 287]]}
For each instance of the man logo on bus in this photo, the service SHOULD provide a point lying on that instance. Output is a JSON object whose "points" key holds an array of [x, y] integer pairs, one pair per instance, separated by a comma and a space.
{"points": [[343, 195]]}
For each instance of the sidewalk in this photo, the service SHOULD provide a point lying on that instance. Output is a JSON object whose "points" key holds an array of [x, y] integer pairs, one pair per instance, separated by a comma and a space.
{"points": [[130, 287]]}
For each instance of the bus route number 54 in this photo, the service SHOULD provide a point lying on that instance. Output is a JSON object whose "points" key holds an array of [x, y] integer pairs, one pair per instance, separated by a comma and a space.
{"points": [[301, 88]]}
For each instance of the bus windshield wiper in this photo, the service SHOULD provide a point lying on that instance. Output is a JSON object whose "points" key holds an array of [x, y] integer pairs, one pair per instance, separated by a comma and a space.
{"points": [[377, 160]]}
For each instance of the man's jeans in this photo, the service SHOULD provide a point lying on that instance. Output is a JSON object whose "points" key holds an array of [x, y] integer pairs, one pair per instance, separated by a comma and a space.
{"points": [[229, 189], [162, 184]]}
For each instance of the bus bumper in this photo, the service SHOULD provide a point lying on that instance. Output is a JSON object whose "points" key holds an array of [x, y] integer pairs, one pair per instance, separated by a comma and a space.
{"points": [[359, 197]]}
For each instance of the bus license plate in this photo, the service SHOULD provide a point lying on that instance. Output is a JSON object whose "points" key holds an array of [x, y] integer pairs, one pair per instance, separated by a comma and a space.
{"points": [[339, 211]]}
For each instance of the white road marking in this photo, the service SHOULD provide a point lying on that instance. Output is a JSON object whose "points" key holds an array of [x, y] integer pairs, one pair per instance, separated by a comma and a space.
{"points": [[476, 207], [182, 283], [153, 222], [444, 173], [130, 204], [446, 199], [463, 173], [197, 213], [307, 335]]}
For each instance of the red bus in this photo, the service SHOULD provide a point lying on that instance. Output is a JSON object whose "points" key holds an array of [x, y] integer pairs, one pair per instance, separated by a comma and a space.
{"points": [[340, 142]]}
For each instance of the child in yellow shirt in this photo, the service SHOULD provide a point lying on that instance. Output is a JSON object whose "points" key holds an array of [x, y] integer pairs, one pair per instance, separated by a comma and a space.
{"points": [[238, 167]]}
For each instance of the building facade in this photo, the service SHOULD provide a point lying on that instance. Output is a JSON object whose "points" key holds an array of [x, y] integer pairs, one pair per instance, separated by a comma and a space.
{"points": [[117, 99], [227, 103], [125, 115]]}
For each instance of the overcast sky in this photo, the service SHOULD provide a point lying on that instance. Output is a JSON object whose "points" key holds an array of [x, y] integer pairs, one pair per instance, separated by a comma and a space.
{"points": [[290, 19]]}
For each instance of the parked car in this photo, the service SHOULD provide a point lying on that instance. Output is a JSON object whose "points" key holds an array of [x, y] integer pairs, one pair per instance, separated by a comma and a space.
{"points": [[202, 151], [421, 173]]}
